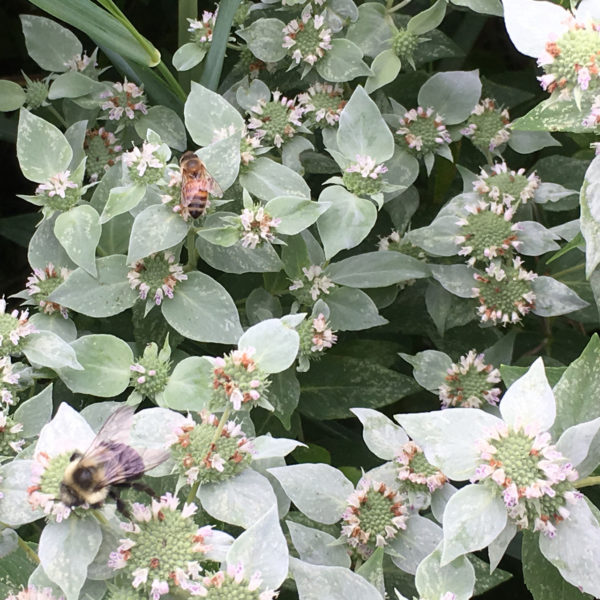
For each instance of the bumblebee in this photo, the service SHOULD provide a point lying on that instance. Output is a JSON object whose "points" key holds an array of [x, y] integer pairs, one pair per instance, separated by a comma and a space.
{"points": [[108, 465]]}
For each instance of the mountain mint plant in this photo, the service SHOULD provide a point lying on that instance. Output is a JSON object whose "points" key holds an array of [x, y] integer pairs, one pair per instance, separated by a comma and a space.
{"points": [[258, 351]]}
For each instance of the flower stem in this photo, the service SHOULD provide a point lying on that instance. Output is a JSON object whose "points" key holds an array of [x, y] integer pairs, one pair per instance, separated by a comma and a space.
{"points": [[224, 417], [400, 5], [100, 517], [192, 252], [173, 83], [587, 482], [58, 116]]}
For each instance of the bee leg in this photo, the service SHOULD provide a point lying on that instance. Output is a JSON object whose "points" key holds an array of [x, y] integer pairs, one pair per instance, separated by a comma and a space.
{"points": [[142, 487], [121, 507]]}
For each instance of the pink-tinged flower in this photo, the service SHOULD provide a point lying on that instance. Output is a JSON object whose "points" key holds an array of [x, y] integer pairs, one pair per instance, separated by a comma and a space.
{"points": [[505, 294], [256, 226], [422, 131], [487, 232], [14, 327], [307, 39], [11, 441], [233, 582], [323, 103], [536, 490], [367, 167], [161, 550], [202, 458], [374, 515], [79, 62], [57, 185], [141, 161], [319, 283], [323, 336], [276, 120], [156, 275], [9, 381], [236, 380], [202, 30], [469, 383], [415, 470], [31, 592], [42, 282], [488, 126], [102, 149], [571, 60], [505, 185], [124, 102]]}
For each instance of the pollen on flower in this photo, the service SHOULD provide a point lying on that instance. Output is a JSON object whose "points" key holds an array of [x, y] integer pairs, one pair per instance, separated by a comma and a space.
{"points": [[322, 104], [11, 442], [363, 177], [201, 456], [488, 127], [123, 102], [505, 185], [144, 165], [571, 61], [256, 226], [504, 293], [416, 472], [14, 327], [374, 515], [59, 192], [422, 131], [487, 232], [234, 583], [312, 285], [9, 380], [275, 120], [307, 39], [534, 477], [238, 380], [162, 547], [42, 282], [102, 149], [156, 276], [470, 383]]}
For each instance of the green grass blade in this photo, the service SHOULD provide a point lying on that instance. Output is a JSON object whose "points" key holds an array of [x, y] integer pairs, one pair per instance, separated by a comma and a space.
{"points": [[103, 28], [214, 61]]}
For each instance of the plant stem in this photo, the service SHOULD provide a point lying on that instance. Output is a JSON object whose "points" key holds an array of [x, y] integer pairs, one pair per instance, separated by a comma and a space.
{"points": [[190, 245], [192, 495], [28, 550], [399, 6], [168, 77], [587, 482], [100, 517], [58, 116]]}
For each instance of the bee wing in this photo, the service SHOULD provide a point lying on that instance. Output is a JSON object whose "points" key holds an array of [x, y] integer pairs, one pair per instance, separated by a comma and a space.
{"points": [[209, 183], [119, 462], [116, 428], [152, 457]]}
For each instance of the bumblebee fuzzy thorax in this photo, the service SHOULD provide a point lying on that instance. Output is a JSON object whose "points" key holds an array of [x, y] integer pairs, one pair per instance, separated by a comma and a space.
{"points": [[83, 483]]}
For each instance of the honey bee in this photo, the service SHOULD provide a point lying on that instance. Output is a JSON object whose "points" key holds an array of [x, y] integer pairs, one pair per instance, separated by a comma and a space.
{"points": [[196, 185], [108, 465]]}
